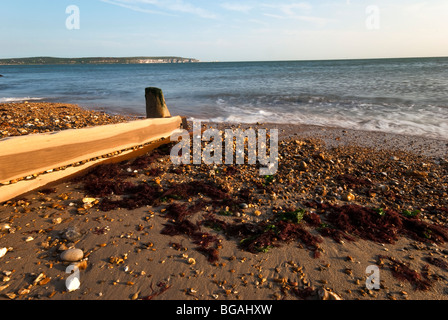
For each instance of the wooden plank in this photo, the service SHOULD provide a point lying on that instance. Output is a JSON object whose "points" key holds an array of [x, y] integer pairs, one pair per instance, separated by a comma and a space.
{"points": [[21, 188], [36, 154]]}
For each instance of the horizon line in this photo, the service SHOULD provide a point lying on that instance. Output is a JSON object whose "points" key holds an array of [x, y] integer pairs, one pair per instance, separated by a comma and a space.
{"points": [[232, 61]]}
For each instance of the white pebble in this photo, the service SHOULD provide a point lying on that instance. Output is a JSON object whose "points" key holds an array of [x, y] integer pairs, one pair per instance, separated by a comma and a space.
{"points": [[72, 284], [3, 252]]}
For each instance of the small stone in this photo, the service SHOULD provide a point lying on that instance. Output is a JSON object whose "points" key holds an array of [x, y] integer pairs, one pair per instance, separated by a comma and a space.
{"points": [[72, 284], [3, 287], [348, 197], [57, 220], [4, 227], [88, 200], [3, 252], [71, 234], [72, 255], [23, 291], [244, 205], [11, 295], [303, 166], [62, 247]]}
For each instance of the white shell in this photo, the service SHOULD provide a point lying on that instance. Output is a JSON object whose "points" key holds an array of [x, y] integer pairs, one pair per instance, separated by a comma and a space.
{"points": [[3, 252]]}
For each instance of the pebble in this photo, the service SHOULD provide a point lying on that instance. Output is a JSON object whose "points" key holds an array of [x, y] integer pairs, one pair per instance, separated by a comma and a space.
{"points": [[349, 197], [72, 284], [57, 220], [41, 117], [71, 234], [3, 252], [72, 255], [244, 205], [303, 166], [4, 227]]}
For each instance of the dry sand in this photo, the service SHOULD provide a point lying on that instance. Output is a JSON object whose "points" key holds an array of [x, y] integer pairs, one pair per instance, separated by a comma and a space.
{"points": [[127, 256]]}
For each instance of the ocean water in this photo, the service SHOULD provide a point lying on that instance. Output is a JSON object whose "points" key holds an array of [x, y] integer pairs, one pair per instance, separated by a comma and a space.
{"points": [[408, 96]]}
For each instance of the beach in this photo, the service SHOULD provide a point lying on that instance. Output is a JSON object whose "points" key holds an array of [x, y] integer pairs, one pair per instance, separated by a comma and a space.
{"points": [[343, 202]]}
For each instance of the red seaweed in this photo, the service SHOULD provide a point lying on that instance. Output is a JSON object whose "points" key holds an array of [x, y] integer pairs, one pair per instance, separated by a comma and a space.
{"points": [[163, 287], [185, 190], [140, 195], [261, 236], [305, 293], [211, 253], [182, 226], [403, 272], [179, 212], [382, 226], [437, 262]]}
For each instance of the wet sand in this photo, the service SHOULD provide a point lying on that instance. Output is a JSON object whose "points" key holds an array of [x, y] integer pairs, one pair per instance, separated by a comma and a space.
{"points": [[163, 232]]}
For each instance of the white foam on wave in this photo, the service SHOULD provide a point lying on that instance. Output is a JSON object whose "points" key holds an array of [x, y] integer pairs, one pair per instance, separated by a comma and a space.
{"points": [[19, 99], [416, 123]]}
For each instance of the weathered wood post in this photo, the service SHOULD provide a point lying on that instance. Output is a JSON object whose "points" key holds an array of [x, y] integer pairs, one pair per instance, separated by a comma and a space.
{"points": [[155, 104]]}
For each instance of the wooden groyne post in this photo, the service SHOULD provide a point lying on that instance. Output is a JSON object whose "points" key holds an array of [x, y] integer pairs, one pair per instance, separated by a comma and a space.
{"points": [[155, 104]]}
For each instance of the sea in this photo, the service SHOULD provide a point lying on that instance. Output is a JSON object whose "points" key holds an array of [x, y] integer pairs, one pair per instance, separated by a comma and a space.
{"points": [[406, 96]]}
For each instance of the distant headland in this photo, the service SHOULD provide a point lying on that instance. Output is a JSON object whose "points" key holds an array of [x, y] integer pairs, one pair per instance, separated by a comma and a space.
{"points": [[98, 60]]}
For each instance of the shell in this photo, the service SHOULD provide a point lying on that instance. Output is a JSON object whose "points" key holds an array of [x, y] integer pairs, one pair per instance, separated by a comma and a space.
{"points": [[325, 294]]}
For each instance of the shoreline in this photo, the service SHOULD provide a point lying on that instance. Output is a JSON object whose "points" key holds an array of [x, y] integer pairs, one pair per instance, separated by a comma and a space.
{"points": [[338, 136], [137, 223], [332, 136]]}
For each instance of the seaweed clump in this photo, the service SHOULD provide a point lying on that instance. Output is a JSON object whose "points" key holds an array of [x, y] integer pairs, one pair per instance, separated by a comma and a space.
{"points": [[180, 225], [189, 189], [378, 225], [421, 281], [136, 196], [260, 237], [109, 180]]}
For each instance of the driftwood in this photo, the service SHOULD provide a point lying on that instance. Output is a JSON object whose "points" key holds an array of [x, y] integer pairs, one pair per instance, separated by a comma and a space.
{"points": [[34, 161]]}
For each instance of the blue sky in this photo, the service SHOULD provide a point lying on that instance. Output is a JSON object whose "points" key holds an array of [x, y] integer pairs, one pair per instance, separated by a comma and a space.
{"points": [[227, 30]]}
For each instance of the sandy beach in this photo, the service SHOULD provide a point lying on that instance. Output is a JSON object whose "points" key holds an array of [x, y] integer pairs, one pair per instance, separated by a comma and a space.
{"points": [[341, 202]]}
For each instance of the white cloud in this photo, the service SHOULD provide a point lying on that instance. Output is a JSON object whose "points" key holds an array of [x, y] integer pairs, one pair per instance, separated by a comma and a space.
{"points": [[289, 10], [123, 4], [298, 11], [244, 8], [173, 6]]}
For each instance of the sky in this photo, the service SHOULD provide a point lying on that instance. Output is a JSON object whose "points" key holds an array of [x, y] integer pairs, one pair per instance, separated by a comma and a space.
{"points": [[229, 30]]}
